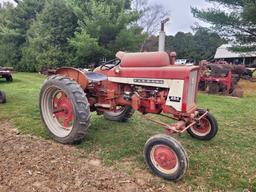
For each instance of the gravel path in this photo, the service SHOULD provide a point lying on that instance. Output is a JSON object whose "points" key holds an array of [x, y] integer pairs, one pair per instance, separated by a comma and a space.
{"points": [[30, 164]]}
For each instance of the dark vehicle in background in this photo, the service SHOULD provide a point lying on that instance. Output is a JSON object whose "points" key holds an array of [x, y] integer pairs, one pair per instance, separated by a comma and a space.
{"points": [[6, 73]]}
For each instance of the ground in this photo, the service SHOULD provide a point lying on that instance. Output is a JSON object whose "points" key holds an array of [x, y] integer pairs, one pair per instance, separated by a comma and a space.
{"points": [[32, 164], [111, 156]]}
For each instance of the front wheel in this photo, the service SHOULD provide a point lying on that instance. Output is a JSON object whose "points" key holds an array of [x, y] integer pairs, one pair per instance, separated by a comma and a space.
{"points": [[166, 157], [205, 129], [64, 109]]}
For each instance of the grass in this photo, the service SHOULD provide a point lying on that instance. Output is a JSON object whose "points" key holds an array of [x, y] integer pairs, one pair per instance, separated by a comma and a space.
{"points": [[226, 163]]}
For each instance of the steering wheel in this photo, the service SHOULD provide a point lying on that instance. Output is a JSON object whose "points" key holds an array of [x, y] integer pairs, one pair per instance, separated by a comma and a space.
{"points": [[106, 64]]}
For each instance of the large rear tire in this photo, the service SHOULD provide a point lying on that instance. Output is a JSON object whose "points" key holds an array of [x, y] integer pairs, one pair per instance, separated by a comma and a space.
{"points": [[166, 157], [121, 115], [2, 97], [64, 109]]}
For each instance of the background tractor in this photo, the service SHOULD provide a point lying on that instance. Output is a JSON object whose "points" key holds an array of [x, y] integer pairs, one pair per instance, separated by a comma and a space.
{"points": [[221, 78], [6, 72]]}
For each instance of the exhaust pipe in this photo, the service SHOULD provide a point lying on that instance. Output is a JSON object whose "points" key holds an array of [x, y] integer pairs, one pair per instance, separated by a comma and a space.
{"points": [[161, 46]]}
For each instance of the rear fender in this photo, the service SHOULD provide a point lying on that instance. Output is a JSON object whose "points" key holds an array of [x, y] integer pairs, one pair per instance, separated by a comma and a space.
{"points": [[74, 74]]}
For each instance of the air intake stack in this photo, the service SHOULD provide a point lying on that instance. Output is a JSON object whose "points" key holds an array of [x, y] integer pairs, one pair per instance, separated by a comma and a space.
{"points": [[161, 46]]}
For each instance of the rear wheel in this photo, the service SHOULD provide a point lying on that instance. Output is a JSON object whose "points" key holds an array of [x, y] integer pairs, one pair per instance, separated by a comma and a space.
{"points": [[9, 78], [166, 157], [64, 109], [214, 88], [206, 128], [2, 97], [122, 114]]}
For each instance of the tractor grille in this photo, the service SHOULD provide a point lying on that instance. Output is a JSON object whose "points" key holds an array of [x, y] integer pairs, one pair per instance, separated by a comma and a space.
{"points": [[192, 89]]}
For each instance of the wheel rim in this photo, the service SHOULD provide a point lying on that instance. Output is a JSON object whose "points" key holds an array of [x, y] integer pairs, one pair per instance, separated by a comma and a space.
{"points": [[57, 111], [203, 128], [164, 159]]}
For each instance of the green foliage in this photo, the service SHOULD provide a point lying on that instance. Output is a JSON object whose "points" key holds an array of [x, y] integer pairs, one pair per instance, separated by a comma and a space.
{"points": [[202, 45], [234, 20], [88, 49], [47, 40], [107, 28], [14, 23], [38, 34], [129, 39]]}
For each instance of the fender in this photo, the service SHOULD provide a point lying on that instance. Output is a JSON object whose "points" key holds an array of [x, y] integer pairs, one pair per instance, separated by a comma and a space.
{"points": [[74, 74]]}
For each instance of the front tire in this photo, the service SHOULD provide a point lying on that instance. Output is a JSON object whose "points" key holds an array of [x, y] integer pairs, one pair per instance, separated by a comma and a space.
{"points": [[64, 109], [206, 129], [166, 157], [121, 115]]}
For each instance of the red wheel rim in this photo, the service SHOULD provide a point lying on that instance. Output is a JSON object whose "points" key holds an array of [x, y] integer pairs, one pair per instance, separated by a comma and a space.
{"points": [[204, 126], [164, 158], [63, 110]]}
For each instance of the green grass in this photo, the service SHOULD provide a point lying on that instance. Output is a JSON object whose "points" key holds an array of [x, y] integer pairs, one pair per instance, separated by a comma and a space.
{"points": [[225, 163]]}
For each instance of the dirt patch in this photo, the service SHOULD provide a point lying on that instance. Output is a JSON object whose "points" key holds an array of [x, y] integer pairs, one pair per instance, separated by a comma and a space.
{"points": [[32, 164]]}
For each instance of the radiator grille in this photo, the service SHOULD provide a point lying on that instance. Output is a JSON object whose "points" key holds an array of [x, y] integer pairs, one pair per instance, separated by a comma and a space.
{"points": [[192, 89]]}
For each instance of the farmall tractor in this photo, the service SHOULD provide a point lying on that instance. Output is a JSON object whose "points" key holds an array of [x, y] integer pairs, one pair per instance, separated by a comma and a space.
{"points": [[146, 82]]}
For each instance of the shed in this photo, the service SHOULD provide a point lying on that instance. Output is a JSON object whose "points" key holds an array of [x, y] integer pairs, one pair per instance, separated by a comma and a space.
{"points": [[246, 58]]}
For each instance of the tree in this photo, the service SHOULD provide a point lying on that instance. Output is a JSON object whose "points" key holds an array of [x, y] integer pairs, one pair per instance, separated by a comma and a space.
{"points": [[207, 43], [200, 46], [105, 29], [234, 19], [14, 23], [150, 16], [48, 38]]}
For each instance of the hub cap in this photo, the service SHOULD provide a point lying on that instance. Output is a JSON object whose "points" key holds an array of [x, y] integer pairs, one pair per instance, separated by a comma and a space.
{"points": [[203, 128], [164, 159], [63, 110]]}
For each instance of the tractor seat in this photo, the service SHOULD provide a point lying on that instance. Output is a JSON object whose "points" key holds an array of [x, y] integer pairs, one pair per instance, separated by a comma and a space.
{"points": [[96, 77], [144, 59]]}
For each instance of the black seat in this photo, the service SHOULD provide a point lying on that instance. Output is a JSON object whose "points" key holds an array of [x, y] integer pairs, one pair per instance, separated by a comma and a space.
{"points": [[96, 77]]}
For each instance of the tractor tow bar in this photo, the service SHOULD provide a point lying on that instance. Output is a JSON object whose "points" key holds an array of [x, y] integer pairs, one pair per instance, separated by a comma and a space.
{"points": [[179, 126]]}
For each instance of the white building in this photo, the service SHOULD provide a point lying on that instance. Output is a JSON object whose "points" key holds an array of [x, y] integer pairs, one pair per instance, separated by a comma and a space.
{"points": [[223, 53]]}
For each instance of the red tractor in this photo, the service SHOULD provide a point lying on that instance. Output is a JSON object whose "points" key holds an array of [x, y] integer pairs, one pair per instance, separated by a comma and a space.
{"points": [[221, 78], [147, 82]]}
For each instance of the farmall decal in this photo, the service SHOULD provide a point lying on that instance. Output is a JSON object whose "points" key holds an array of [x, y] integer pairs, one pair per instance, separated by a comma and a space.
{"points": [[150, 81]]}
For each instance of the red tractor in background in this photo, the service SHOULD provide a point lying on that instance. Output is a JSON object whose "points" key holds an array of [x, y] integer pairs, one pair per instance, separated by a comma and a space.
{"points": [[221, 78]]}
